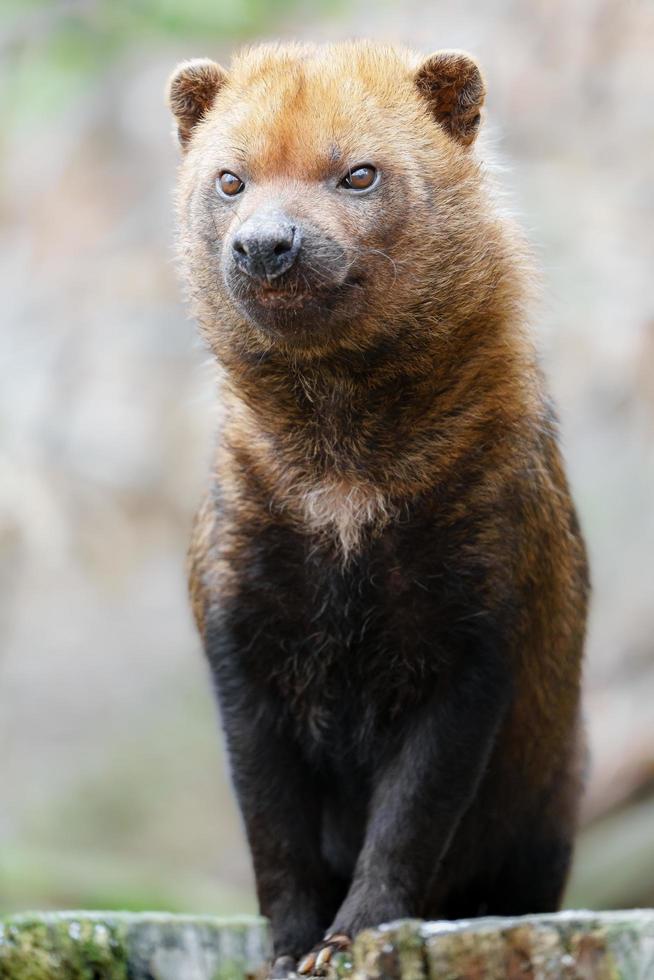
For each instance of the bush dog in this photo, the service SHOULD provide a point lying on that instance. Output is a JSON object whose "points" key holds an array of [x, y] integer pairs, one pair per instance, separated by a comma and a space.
{"points": [[387, 570]]}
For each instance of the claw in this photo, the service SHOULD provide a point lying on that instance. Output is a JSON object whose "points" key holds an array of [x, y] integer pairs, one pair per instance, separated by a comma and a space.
{"points": [[324, 956], [307, 963], [316, 961]]}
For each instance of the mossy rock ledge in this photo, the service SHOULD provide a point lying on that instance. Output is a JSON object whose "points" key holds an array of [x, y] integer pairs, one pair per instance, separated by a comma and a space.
{"points": [[124, 946]]}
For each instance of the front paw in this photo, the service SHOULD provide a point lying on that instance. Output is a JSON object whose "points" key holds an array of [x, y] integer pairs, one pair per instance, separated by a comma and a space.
{"points": [[316, 962]]}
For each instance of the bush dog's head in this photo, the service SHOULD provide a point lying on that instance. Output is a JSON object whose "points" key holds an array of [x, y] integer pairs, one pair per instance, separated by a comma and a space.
{"points": [[330, 196]]}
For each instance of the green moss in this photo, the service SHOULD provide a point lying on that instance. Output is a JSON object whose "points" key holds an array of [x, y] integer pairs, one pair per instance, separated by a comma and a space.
{"points": [[342, 966], [410, 950], [231, 970], [115, 946], [42, 948]]}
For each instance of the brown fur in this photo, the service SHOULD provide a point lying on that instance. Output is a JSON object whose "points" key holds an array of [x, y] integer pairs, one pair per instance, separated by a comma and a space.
{"points": [[474, 294], [418, 388]]}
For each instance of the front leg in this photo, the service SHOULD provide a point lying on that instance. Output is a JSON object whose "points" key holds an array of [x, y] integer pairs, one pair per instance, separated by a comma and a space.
{"points": [[421, 791], [280, 802]]}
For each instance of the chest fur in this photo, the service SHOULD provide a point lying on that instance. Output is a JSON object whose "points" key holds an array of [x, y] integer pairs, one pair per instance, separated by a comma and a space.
{"points": [[336, 508], [341, 653]]}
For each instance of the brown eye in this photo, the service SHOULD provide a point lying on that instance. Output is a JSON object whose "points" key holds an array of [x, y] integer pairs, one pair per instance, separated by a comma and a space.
{"points": [[359, 178], [228, 184]]}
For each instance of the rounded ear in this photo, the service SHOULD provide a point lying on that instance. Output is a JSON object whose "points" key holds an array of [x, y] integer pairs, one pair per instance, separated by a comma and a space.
{"points": [[192, 89], [452, 85]]}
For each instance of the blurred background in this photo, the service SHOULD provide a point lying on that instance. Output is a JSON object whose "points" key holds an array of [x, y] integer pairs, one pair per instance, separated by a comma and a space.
{"points": [[113, 786]]}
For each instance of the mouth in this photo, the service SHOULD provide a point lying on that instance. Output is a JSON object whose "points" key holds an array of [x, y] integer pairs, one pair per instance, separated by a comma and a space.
{"points": [[275, 296], [292, 305]]}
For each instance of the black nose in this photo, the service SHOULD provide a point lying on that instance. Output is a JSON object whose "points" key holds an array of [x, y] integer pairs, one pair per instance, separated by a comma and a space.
{"points": [[266, 246]]}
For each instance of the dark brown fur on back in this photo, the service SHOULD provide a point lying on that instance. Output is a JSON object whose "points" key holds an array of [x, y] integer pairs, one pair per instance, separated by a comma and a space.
{"points": [[387, 571]]}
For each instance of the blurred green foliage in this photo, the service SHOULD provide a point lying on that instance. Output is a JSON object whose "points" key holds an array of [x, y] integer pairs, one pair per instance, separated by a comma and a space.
{"points": [[52, 48]]}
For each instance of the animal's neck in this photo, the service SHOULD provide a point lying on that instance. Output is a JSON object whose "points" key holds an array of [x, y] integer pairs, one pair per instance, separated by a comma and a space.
{"points": [[341, 446], [378, 415], [334, 405]]}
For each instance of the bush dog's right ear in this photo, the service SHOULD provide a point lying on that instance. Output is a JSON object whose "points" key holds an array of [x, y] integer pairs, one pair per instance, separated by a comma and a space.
{"points": [[191, 91]]}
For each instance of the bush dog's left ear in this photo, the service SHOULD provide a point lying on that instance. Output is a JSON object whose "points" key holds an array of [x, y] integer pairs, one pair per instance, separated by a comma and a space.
{"points": [[192, 89], [452, 85]]}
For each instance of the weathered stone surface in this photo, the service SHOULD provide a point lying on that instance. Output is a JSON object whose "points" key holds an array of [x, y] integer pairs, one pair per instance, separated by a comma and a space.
{"points": [[114, 946], [566, 946], [120, 946]]}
